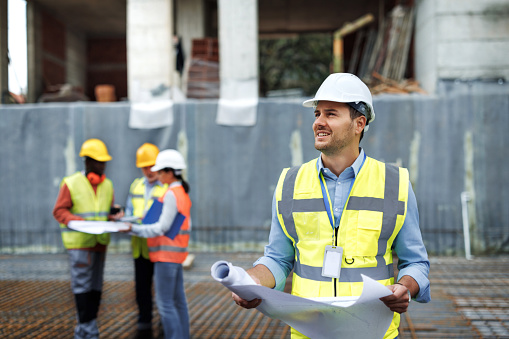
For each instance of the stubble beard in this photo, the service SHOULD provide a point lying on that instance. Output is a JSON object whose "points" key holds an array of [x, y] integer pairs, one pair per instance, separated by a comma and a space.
{"points": [[335, 146]]}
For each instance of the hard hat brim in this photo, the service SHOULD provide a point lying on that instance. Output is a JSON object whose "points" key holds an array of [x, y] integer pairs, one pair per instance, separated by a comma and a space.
{"points": [[103, 158], [309, 103], [156, 168], [314, 101], [145, 164]]}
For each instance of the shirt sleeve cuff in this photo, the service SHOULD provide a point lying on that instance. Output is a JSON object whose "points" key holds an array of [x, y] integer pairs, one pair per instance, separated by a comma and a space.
{"points": [[424, 295], [275, 269]]}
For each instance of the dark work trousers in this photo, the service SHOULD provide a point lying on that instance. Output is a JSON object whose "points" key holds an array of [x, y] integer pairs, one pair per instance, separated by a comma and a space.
{"points": [[144, 273], [87, 270]]}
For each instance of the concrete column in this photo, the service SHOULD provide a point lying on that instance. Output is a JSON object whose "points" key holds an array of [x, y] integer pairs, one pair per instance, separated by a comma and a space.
{"points": [[4, 65], [34, 53], [426, 41], [238, 61], [150, 53], [76, 63], [238, 48]]}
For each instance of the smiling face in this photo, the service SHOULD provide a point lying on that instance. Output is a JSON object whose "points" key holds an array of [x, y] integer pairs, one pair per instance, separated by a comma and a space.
{"points": [[334, 129]]}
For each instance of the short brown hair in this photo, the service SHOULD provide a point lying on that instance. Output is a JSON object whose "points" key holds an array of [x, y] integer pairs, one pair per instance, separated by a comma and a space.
{"points": [[355, 114]]}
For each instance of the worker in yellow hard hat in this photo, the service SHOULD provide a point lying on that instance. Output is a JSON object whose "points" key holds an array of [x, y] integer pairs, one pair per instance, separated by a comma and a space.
{"points": [[87, 195], [142, 193]]}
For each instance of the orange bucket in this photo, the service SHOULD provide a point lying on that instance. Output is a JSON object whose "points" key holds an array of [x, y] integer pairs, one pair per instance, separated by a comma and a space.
{"points": [[105, 93]]}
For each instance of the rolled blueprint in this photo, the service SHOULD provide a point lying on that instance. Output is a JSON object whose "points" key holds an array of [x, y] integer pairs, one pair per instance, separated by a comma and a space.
{"points": [[230, 275], [97, 227], [318, 318]]}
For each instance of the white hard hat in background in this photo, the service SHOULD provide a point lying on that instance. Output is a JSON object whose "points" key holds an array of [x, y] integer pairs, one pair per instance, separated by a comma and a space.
{"points": [[344, 87], [169, 158]]}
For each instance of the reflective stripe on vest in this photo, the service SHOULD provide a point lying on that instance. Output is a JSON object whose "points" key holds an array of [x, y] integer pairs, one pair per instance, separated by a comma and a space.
{"points": [[390, 206], [140, 206], [89, 205], [373, 215], [167, 248], [164, 249]]}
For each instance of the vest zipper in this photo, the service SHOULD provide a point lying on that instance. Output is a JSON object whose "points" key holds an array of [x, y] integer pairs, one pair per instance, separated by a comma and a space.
{"points": [[336, 244]]}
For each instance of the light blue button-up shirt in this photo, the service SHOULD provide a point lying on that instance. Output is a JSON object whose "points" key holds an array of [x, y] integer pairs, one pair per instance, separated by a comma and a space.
{"points": [[413, 261]]}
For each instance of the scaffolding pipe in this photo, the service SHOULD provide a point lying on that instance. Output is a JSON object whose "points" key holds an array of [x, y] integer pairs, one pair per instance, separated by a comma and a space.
{"points": [[465, 198], [347, 28]]}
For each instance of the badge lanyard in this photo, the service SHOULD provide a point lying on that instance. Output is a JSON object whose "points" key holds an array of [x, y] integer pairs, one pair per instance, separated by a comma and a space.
{"points": [[326, 197]]}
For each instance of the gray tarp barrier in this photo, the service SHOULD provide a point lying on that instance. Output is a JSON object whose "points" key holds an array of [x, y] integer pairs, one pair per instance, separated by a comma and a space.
{"points": [[452, 142]]}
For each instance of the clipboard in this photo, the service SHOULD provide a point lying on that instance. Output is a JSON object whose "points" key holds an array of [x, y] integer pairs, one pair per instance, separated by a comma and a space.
{"points": [[175, 226], [154, 213]]}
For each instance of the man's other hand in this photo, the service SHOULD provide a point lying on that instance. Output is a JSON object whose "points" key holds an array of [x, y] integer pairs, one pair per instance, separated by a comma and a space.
{"points": [[245, 303], [399, 300], [248, 303]]}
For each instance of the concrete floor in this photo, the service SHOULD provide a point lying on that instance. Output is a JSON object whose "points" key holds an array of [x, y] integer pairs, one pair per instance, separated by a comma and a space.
{"points": [[470, 299]]}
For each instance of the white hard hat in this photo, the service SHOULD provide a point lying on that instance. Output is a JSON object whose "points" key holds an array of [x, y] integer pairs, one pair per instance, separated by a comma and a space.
{"points": [[169, 158], [347, 88]]}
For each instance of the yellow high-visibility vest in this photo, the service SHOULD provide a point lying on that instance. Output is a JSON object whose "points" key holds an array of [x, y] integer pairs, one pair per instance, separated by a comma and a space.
{"points": [[140, 207], [373, 215], [89, 205]]}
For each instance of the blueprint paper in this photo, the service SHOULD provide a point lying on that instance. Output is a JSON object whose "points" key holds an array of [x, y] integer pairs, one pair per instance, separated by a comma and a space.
{"points": [[340, 317], [97, 227]]}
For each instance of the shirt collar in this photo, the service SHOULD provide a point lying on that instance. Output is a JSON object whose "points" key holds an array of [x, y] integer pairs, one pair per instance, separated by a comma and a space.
{"points": [[356, 166]]}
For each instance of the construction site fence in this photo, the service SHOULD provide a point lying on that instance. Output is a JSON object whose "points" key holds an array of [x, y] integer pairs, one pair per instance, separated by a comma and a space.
{"points": [[453, 142], [203, 239]]}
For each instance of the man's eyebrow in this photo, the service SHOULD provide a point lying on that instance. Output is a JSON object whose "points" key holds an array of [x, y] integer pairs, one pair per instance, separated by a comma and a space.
{"points": [[330, 110], [327, 110]]}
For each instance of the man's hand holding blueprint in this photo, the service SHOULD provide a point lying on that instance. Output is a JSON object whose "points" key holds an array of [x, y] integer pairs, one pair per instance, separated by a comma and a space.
{"points": [[340, 317]]}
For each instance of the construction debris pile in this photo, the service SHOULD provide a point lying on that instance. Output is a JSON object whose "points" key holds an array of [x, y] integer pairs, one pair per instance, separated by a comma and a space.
{"points": [[380, 57]]}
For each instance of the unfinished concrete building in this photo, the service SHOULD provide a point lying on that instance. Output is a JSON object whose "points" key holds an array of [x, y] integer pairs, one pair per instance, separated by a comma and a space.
{"points": [[450, 137]]}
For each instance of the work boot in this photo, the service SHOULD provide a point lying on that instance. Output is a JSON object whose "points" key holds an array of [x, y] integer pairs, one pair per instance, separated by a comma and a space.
{"points": [[144, 334], [95, 301]]}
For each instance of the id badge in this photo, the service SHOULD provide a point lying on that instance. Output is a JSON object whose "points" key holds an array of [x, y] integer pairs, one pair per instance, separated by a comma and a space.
{"points": [[332, 261]]}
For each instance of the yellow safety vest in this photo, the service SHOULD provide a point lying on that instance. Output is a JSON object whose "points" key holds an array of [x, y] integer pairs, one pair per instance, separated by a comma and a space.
{"points": [[373, 215], [89, 205], [140, 207]]}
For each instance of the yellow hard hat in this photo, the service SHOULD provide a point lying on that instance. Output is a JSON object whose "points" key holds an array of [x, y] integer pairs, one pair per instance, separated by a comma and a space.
{"points": [[95, 149], [146, 155]]}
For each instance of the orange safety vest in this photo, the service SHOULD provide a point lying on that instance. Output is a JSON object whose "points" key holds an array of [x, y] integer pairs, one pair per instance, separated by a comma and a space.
{"points": [[164, 249]]}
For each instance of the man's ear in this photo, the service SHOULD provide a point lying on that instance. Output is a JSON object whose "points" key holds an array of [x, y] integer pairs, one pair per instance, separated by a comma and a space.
{"points": [[360, 123]]}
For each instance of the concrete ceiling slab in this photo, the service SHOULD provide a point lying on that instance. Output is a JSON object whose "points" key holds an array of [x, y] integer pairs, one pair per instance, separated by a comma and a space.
{"points": [[94, 18]]}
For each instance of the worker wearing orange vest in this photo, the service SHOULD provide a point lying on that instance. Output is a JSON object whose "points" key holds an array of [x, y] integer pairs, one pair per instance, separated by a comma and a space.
{"points": [[142, 193], [89, 196], [169, 254]]}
